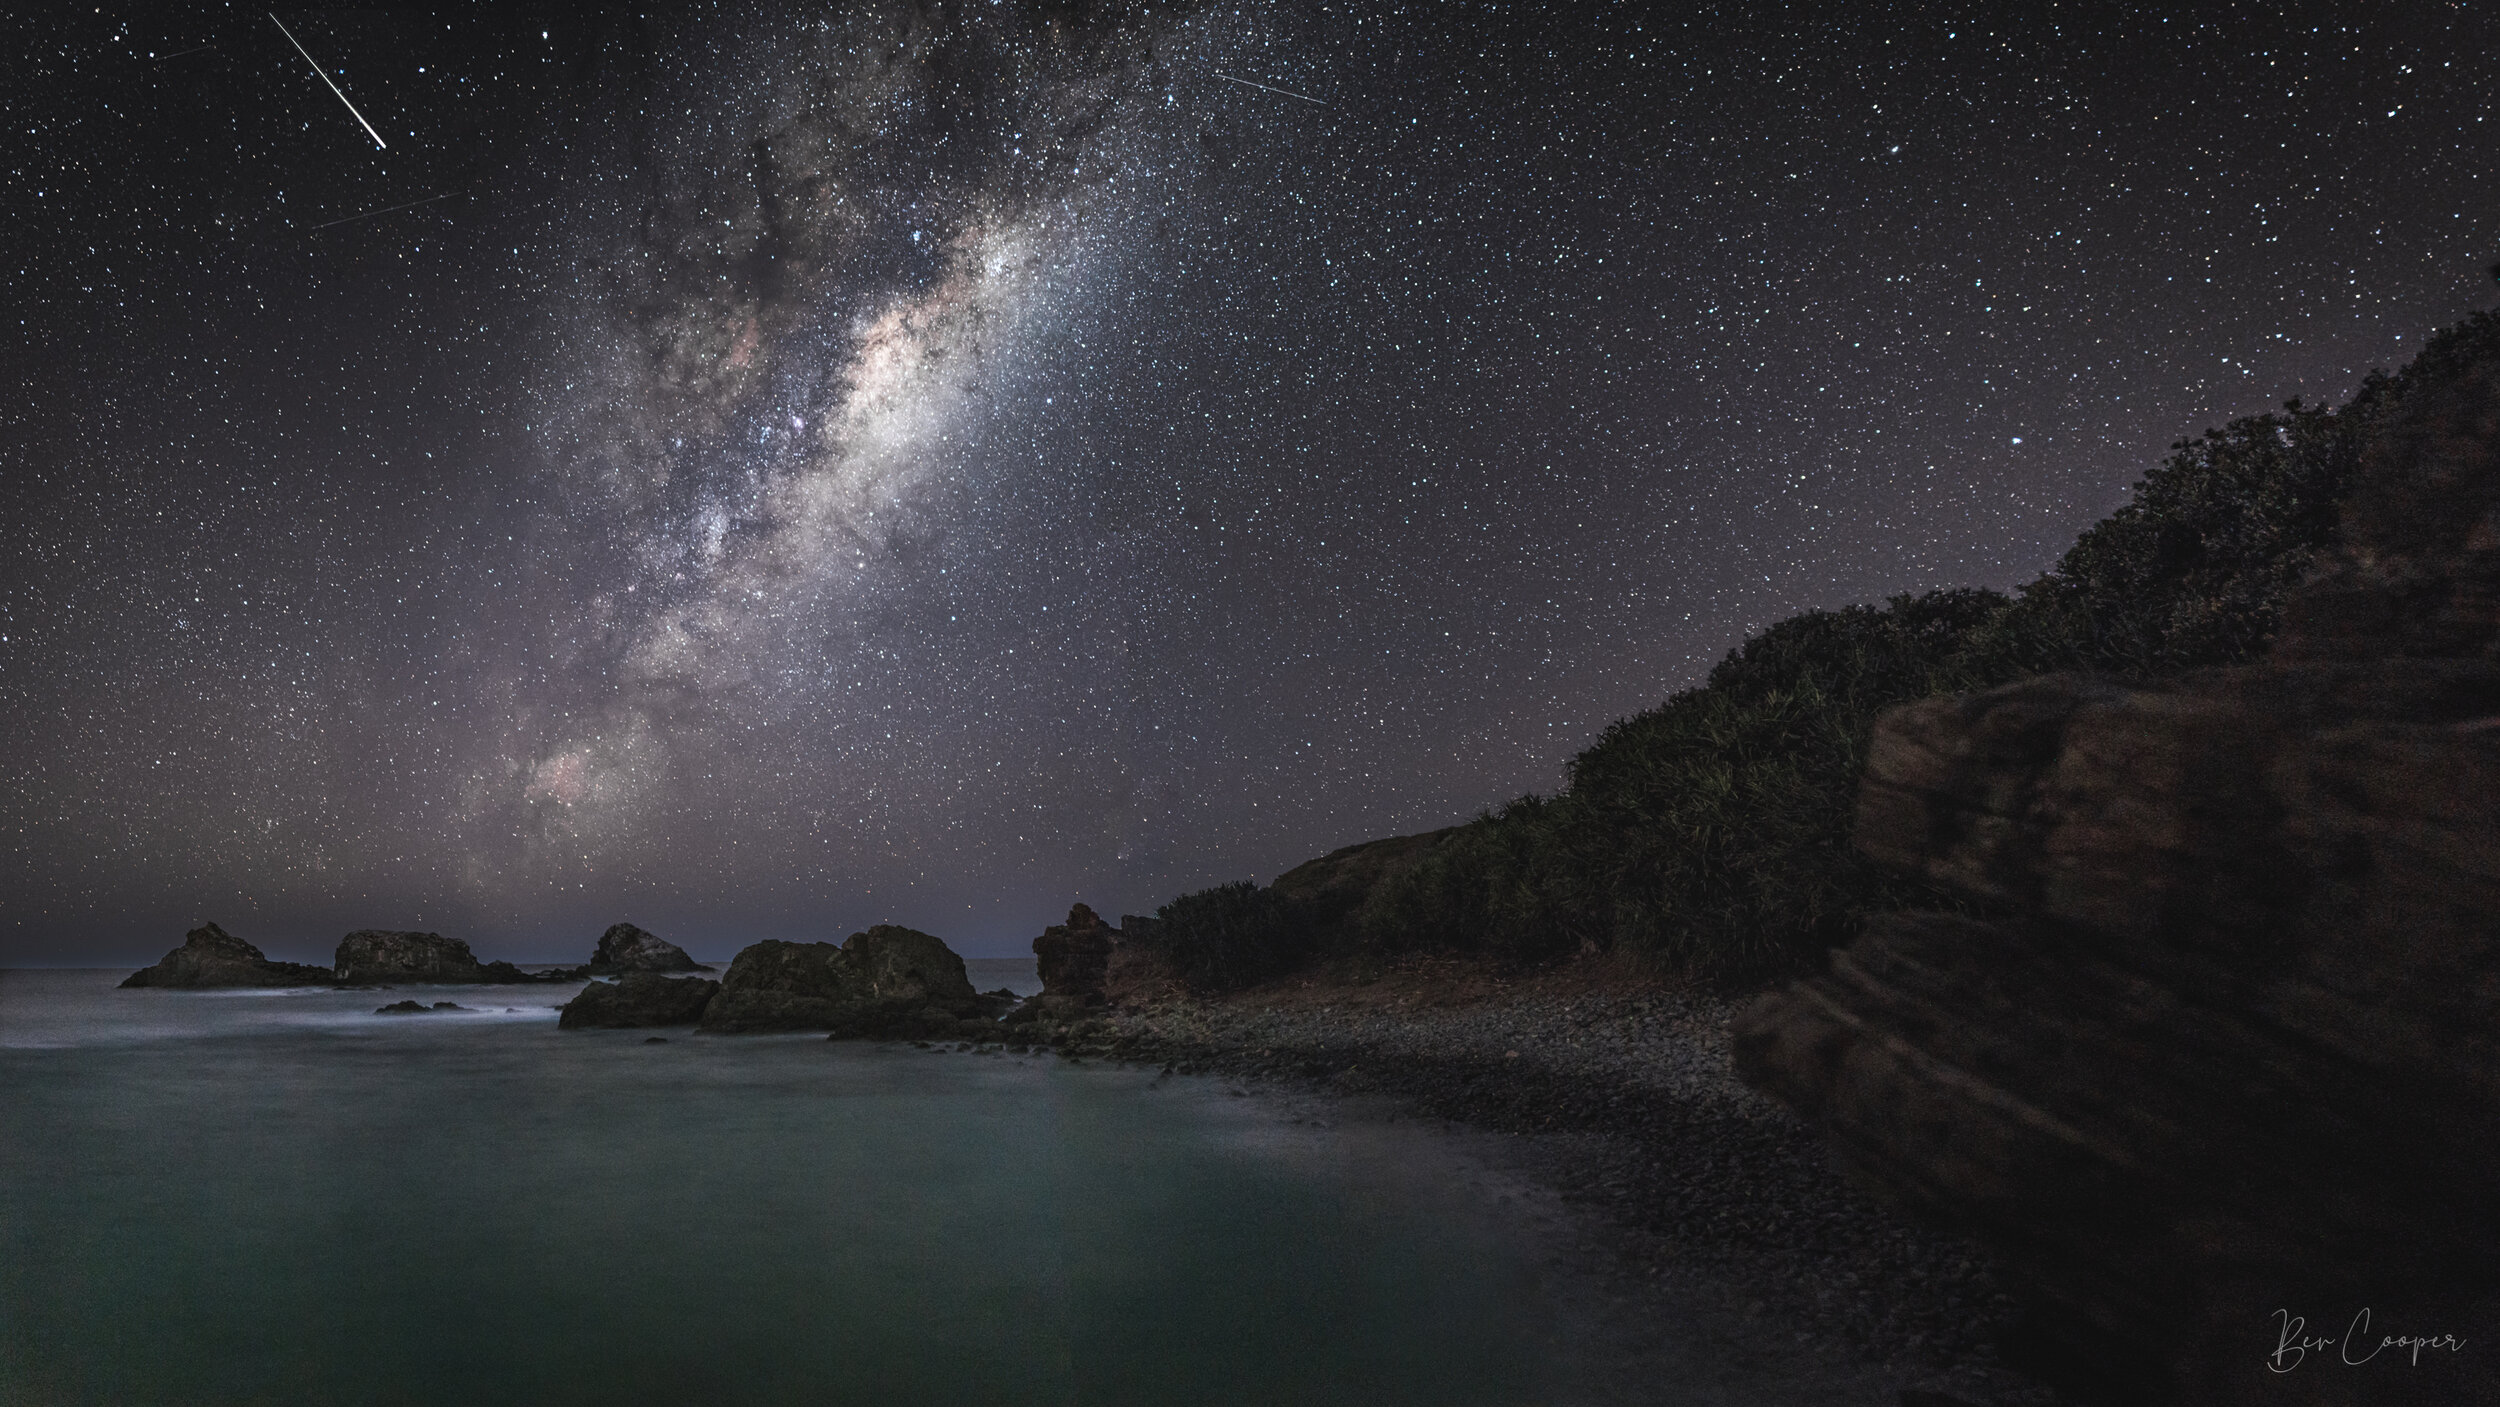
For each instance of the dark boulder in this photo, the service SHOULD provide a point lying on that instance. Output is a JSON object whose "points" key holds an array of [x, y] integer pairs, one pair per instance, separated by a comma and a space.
{"points": [[386, 955], [212, 957], [2218, 1033], [625, 948], [876, 983], [639, 999]]}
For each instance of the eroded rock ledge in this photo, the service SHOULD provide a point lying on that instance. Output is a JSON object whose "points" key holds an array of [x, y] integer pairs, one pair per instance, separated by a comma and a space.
{"points": [[2218, 1034]]}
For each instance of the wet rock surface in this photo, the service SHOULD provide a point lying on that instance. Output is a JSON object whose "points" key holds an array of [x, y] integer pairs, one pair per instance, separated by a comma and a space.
{"points": [[212, 957], [639, 999], [2217, 1037]]}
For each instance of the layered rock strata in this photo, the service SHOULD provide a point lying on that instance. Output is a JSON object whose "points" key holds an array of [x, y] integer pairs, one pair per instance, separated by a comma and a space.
{"points": [[2215, 1045], [212, 957]]}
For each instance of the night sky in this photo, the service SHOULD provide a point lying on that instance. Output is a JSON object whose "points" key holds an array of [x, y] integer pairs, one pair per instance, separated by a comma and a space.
{"points": [[805, 466]]}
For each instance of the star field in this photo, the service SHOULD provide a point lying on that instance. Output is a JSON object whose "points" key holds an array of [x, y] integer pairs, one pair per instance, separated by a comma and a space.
{"points": [[809, 466]]}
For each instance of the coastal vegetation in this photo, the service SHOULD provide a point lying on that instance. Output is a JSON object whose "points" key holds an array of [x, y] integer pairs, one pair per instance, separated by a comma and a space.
{"points": [[1709, 836]]}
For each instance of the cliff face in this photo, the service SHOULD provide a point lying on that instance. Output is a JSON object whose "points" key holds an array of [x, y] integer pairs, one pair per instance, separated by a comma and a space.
{"points": [[2218, 1035]]}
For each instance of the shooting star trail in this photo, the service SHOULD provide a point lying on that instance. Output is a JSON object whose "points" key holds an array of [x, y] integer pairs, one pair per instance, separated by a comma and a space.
{"points": [[1283, 92], [324, 77], [198, 48], [385, 210]]}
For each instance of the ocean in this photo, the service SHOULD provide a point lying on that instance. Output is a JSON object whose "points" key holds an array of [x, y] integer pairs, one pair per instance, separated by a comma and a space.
{"points": [[282, 1197]]}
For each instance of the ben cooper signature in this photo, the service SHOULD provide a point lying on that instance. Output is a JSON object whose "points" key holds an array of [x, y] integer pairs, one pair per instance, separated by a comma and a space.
{"points": [[2295, 1343]]}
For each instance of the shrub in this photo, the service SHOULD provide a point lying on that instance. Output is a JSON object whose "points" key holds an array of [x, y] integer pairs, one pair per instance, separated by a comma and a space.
{"points": [[1229, 936], [1711, 834]]}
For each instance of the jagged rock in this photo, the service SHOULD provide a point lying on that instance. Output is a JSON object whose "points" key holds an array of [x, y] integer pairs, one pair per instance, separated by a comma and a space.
{"points": [[625, 948], [371, 955], [889, 980], [2220, 1036], [639, 999], [386, 955], [1070, 957], [212, 957], [403, 1008]]}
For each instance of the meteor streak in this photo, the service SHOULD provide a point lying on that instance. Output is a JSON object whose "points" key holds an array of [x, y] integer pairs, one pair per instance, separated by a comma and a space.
{"points": [[324, 77], [385, 210], [1283, 92]]}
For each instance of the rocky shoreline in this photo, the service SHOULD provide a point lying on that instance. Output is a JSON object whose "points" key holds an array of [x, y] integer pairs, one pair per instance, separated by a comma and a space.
{"points": [[1618, 1094]]}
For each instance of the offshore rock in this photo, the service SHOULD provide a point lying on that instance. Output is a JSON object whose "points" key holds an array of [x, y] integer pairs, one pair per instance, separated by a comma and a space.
{"points": [[639, 999], [2217, 1046], [889, 980], [625, 948], [371, 955], [387, 955], [212, 957]]}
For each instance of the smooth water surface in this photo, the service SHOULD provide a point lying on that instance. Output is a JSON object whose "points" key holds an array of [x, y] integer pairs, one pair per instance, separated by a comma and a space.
{"points": [[281, 1197]]}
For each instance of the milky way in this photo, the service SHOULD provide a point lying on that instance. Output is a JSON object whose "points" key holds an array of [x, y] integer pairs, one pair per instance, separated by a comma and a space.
{"points": [[770, 469]]}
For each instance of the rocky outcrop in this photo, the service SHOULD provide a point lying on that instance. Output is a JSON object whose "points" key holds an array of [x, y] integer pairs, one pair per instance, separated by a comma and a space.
{"points": [[887, 981], [1071, 959], [378, 955], [625, 948], [389, 955], [2218, 1034], [639, 999], [212, 957], [416, 1008]]}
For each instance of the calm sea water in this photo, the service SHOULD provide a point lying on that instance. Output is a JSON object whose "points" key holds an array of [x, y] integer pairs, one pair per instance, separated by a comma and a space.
{"points": [[280, 1197]]}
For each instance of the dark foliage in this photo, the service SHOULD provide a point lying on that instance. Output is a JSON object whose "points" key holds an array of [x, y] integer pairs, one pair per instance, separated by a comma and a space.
{"points": [[1225, 937], [1710, 834]]}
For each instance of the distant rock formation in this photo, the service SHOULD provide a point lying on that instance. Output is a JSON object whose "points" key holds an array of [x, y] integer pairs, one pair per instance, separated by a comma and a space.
{"points": [[389, 955], [625, 948], [374, 955], [2219, 1036], [212, 957], [639, 999], [888, 981], [416, 1008]]}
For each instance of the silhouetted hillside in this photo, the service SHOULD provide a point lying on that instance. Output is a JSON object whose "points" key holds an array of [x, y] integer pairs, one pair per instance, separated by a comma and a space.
{"points": [[1710, 834]]}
